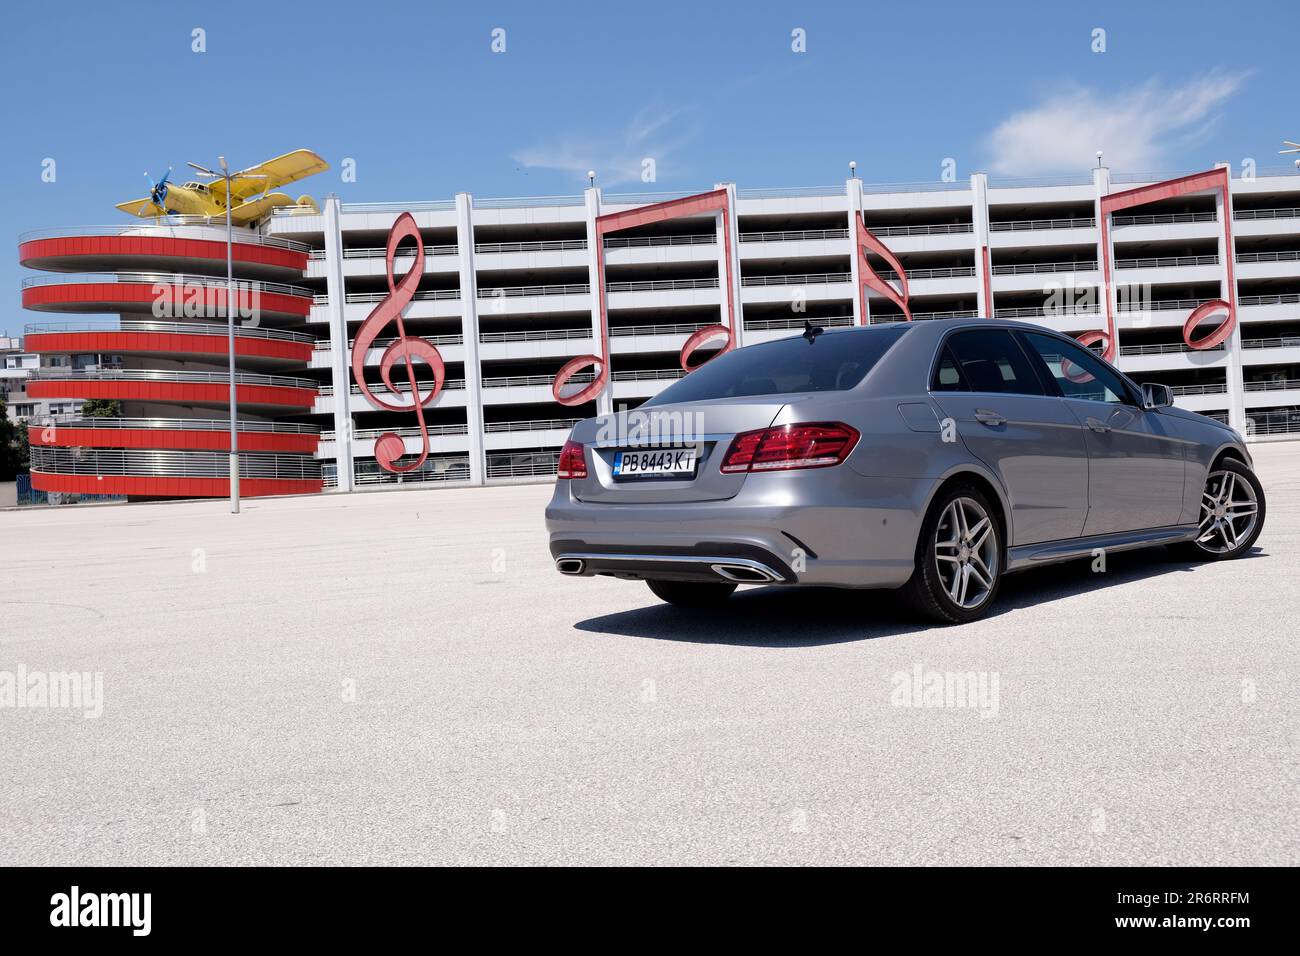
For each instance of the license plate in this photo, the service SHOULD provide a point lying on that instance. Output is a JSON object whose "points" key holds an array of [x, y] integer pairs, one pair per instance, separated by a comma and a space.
{"points": [[655, 463]]}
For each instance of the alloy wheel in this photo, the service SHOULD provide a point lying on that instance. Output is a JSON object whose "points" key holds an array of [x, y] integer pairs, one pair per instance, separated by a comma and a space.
{"points": [[1229, 511], [966, 552]]}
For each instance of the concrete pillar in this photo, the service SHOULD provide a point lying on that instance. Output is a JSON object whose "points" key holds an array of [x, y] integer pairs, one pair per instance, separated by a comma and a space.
{"points": [[1234, 374], [591, 197], [469, 335], [1108, 301], [853, 189], [340, 354], [731, 254], [979, 211]]}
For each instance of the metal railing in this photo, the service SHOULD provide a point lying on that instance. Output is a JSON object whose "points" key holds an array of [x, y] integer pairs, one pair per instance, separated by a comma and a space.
{"points": [[1249, 214], [175, 464], [522, 291], [789, 192], [824, 278], [1043, 312], [546, 424], [1277, 342], [381, 252], [530, 202], [187, 227], [623, 331], [1169, 219], [179, 328], [1199, 389], [435, 469], [694, 239], [534, 464], [368, 433], [1284, 299], [939, 229], [429, 295], [324, 344], [434, 205], [450, 385], [1268, 257], [190, 424], [930, 186], [795, 236], [169, 375], [662, 285], [952, 272], [1166, 262], [166, 279], [541, 335], [884, 319], [829, 321], [1034, 268], [1273, 385], [540, 245], [1171, 349], [1034, 225]]}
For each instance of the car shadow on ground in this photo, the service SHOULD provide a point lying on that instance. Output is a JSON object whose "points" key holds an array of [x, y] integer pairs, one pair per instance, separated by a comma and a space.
{"points": [[811, 617]]}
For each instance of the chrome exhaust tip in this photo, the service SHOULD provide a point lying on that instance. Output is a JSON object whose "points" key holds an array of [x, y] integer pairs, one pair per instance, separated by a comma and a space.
{"points": [[570, 565], [743, 573]]}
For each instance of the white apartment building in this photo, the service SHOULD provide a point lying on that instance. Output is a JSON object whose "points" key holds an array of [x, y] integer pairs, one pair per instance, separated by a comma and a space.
{"points": [[505, 296]]}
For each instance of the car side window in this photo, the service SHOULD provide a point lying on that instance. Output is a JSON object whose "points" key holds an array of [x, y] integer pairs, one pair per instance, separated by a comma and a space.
{"points": [[947, 375], [990, 360], [1077, 371]]}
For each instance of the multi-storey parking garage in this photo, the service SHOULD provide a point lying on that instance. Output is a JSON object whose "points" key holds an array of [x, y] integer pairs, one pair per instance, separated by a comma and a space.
{"points": [[505, 296]]}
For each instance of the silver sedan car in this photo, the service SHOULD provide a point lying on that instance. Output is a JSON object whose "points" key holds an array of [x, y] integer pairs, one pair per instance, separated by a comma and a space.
{"points": [[934, 457]]}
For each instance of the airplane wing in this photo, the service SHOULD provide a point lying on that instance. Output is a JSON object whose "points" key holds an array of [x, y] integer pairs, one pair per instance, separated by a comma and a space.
{"points": [[276, 172], [144, 208], [247, 212]]}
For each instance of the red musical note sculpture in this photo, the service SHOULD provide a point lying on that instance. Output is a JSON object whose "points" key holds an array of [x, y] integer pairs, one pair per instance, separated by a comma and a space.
{"points": [[870, 279], [1213, 180], [389, 446], [715, 201]]}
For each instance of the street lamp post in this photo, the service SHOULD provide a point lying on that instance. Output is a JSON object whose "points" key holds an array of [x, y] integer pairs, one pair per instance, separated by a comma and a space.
{"points": [[230, 325]]}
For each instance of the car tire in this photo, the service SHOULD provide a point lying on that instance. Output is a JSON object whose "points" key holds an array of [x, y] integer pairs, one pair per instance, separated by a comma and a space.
{"points": [[1222, 539], [691, 593], [961, 534]]}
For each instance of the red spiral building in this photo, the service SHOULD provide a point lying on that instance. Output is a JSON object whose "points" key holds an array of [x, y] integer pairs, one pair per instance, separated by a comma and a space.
{"points": [[166, 283]]}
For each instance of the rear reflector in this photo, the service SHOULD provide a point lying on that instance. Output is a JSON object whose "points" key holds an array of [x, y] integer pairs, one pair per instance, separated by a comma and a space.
{"points": [[573, 461], [787, 447]]}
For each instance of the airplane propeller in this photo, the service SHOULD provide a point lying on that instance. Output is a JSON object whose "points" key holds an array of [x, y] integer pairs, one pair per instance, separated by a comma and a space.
{"points": [[158, 190]]}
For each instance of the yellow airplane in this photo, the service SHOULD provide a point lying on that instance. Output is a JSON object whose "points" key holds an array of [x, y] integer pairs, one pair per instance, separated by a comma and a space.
{"points": [[209, 199]]}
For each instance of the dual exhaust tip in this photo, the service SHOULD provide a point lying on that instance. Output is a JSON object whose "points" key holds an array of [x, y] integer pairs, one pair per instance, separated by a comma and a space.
{"points": [[738, 573]]}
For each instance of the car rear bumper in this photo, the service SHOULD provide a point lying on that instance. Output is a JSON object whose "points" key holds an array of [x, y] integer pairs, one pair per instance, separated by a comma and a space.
{"points": [[779, 526]]}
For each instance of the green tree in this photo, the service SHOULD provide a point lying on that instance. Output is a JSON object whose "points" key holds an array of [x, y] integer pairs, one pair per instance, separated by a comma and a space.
{"points": [[13, 440], [101, 408]]}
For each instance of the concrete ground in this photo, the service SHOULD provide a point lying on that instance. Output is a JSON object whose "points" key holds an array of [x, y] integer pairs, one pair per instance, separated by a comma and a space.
{"points": [[403, 678]]}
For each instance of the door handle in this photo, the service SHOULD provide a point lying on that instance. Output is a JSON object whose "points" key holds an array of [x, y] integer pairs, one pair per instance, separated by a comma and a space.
{"points": [[986, 416], [1097, 425]]}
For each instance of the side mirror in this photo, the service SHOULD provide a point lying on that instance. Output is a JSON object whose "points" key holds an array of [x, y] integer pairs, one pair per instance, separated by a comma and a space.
{"points": [[1156, 396]]}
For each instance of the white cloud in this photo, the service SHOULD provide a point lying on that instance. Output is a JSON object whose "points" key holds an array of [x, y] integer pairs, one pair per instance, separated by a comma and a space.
{"points": [[616, 157], [1136, 129]]}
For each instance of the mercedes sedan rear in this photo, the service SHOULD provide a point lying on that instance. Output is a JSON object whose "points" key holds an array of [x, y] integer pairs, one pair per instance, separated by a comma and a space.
{"points": [[934, 457]]}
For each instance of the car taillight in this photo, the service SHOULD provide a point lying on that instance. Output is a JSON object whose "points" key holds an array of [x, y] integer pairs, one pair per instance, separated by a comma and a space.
{"points": [[786, 447], [573, 461]]}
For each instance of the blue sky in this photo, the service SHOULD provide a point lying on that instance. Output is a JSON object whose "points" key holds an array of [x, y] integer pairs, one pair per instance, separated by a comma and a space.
{"points": [[414, 94]]}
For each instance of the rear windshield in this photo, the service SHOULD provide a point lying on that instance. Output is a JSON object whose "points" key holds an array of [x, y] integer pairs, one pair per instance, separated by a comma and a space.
{"points": [[832, 362]]}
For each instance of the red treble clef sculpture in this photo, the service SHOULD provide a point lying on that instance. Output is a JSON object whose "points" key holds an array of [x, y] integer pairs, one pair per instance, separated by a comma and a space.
{"points": [[389, 447], [715, 201]]}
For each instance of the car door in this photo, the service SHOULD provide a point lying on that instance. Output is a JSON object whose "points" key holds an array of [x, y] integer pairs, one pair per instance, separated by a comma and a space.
{"points": [[1136, 457], [985, 382]]}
